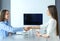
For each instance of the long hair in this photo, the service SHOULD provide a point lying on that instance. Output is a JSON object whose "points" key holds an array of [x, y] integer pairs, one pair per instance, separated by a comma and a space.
{"points": [[2, 15], [53, 11]]}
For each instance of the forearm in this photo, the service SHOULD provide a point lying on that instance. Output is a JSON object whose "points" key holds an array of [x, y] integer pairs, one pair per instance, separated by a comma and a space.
{"points": [[18, 29], [35, 27]]}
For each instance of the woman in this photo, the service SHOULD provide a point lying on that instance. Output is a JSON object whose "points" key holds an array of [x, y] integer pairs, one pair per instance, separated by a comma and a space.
{"points": [[4, 25], [51, 27]]}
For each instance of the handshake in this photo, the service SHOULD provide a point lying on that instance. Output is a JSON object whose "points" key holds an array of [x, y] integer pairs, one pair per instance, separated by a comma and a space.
{"points": [[27, 28], [31, 27]]}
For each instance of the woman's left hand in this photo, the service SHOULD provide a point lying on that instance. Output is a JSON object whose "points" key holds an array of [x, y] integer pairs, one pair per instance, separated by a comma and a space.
{"points": [[45, 36]]}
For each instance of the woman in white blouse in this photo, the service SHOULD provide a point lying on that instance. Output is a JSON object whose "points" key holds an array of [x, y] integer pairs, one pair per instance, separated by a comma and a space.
{"points": [[51, 27]]}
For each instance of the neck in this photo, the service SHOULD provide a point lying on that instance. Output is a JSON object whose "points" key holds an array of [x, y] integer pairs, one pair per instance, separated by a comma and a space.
{"points": [[5, 20]]}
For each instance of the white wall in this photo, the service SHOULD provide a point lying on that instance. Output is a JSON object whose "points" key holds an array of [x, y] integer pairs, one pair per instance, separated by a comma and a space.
{"points": [[19, 7]]}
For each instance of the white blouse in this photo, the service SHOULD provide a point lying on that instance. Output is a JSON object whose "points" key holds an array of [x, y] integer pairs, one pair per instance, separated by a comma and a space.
{"points": [[51, 29]]}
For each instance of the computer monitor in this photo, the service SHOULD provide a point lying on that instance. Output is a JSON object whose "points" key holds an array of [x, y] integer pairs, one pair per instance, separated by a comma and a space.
{"points": [[33, 19]]}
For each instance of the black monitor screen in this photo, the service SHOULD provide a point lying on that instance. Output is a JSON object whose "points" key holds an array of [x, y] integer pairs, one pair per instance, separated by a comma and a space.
{"points": [[33, 19]]}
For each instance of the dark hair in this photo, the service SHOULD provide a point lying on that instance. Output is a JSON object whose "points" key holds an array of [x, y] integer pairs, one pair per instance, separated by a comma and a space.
{"points": [[2, 16], [53, 11]]}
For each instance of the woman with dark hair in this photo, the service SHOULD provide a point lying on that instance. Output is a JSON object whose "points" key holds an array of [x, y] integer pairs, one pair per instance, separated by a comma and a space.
{"points": [[4, 27], [51, 28]]}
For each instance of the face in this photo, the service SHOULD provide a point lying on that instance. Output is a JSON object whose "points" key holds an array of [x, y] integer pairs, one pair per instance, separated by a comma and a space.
{"points": [[48, 13], [7, 15]]}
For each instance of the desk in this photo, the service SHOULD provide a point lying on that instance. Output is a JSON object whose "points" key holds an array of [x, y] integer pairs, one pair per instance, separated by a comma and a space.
{"points": [[21, 38]]}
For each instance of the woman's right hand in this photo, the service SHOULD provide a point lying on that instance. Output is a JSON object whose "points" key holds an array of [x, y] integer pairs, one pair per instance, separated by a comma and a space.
{"points": [[27, 28], [45, 36]]}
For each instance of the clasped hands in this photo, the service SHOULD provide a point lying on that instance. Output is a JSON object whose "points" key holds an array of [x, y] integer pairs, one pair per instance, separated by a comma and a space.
{"points": [[38, 34]]}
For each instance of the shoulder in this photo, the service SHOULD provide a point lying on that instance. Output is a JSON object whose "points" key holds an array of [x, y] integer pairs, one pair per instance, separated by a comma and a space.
{"points": [[53, 21], [2, 23]]}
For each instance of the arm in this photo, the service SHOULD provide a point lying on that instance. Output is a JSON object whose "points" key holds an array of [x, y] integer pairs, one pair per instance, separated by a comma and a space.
{"points": [[18, 29], [39, 26], [35, 27], [10, 29], [7, 28]]}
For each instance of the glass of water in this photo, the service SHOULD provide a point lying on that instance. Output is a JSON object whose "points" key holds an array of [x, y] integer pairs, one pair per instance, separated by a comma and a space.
{"points": [[26, 34]]}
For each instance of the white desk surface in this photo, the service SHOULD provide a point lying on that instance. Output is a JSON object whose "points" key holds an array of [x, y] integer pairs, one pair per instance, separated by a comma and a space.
{"points": [[22, 38]]}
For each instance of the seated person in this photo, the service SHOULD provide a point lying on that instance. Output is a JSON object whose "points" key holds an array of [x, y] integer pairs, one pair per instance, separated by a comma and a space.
{"points": [[5, 28]]}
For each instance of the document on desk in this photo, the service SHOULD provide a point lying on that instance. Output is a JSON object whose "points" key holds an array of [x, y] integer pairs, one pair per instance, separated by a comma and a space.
{"points": [[19, 33]]}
